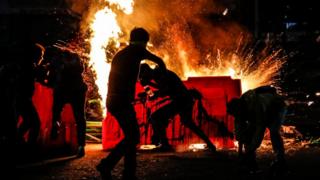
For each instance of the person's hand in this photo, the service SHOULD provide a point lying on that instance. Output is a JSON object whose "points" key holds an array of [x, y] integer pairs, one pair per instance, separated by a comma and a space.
{"points": [[154, 95]]}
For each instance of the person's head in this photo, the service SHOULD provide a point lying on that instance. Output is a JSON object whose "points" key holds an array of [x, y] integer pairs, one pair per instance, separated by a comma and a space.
{"points": [[39, 53], [33, 53], [139, 36]]}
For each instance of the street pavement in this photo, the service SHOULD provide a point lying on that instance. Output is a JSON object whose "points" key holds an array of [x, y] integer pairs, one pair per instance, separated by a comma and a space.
{"points": [[200, 165]]}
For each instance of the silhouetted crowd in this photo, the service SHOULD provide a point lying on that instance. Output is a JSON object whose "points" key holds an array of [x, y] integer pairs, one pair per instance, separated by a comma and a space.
{"points": [[24, 64]]}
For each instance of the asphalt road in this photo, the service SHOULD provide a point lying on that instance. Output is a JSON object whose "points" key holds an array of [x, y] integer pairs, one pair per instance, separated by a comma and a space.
{"points": [[303, 163]]}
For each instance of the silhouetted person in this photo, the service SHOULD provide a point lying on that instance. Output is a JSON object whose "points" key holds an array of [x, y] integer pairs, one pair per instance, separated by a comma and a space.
{"points": [[32, 55], [121, 92], [182, 101], [254, 112], [69, 87]]}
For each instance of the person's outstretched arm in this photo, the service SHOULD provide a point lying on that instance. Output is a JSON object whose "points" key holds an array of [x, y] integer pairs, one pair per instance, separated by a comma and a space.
{"points": [[156, 60]]}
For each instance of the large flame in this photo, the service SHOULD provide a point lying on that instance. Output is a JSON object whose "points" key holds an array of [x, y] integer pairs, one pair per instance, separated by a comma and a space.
{"points": [[190, 44], [105, 31]]}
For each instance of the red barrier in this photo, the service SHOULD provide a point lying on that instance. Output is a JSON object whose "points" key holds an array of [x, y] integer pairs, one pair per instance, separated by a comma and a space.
{"points": [[216, 92]]}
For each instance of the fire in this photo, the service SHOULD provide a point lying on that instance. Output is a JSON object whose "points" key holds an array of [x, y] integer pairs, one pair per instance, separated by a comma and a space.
{"points": [[212, 51], [237, 62], [105, 31], [125, 5]]}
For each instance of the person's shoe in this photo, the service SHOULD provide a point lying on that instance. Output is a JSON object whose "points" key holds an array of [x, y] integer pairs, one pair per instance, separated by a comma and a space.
{"points": [[81, 151], [278, 168], [104, 173]]}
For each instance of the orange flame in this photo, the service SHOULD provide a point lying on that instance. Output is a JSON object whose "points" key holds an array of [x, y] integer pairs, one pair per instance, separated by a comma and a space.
{"points": [[214, 50], [105, 31]]}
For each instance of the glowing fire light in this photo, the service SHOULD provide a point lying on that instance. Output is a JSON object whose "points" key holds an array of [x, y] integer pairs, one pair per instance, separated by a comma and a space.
{"points": [[181, 51], [197, 146], [125, 5], [105, 29], [148, 146]]}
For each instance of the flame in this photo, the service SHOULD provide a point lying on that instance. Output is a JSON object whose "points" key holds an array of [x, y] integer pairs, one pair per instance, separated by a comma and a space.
{"points": [[105, 30], [254, 67], [211, 51], [252, 71], [125, 5]]}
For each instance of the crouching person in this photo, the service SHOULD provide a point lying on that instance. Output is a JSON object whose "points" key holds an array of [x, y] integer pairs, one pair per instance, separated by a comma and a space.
{"points": [[254, 112]]}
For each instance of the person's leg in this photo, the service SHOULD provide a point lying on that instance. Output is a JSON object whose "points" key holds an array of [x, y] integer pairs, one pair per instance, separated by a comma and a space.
{"points": [[159, 121], [186, 119], [277, 142], [253, 137], [30, 121], [78, 103], [249, 162], [24, 126], [34, 123], [58, 103], [279, 165], [127, 147], [130, 127]]}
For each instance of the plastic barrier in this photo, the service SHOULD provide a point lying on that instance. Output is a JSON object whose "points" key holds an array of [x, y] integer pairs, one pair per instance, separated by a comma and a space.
{"points": [[216, 92]]}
